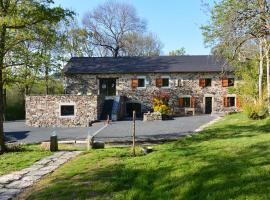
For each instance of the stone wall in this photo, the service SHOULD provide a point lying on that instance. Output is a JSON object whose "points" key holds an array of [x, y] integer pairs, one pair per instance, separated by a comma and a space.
{"points": [[89, 84], [44, 111]]}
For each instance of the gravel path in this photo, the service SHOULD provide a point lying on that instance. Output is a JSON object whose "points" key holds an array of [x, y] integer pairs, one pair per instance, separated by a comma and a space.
{"points": [[12, 184]]}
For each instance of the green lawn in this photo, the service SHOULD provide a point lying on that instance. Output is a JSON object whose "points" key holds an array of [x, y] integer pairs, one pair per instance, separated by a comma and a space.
{"points": [[25, 157], [229, 160]]}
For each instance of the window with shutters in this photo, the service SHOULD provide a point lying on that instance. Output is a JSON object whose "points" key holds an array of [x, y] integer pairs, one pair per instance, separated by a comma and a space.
{"points": [[227, 82], [230, 82], [165, 82], [208, 82], [141, 82], [205, 82], [229, 102], [185, 102]]}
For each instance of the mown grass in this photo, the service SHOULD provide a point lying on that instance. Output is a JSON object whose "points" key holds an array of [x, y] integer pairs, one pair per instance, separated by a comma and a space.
{"points": [[21, 157], [229, 160]]}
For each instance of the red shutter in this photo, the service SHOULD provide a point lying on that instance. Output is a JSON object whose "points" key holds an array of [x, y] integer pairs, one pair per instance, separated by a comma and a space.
{"points": [[192, 102], [238, 102], [134, 83], [181, 102], [202, 83], [225, 82], [159, 82], [225, 101]]}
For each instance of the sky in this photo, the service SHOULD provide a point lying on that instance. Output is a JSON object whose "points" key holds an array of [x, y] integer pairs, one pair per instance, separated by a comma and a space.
{"points": [[175, 22]]}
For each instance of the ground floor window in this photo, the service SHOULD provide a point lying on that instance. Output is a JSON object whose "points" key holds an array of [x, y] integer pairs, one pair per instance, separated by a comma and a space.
{"points": [[67, 110], [229, 101], [185, 102]]}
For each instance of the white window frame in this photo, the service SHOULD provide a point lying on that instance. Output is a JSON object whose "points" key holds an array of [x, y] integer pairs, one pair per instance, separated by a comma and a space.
{"points": [[166, 77], [232, 95], [141, 77], [67, 104], [186, 96]]}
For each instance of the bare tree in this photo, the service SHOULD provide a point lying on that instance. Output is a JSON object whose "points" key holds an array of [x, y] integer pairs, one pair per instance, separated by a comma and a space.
{"points": [[109, 24]]}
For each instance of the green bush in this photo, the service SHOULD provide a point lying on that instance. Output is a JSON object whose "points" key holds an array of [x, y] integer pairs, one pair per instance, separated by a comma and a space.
{"points": [[256, 110]]}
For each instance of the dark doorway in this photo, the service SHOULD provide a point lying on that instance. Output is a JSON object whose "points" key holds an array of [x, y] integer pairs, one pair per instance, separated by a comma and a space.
{"points": [[134, 106], [107, 109], [107, 86], [208, 105]]}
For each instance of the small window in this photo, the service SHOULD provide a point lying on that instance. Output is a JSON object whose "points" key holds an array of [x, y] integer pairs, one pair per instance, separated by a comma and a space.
{"points": [[186, 102], [231, 101], [141, 82], [230, 82], [208, 82], [67, 110], [165, 82]]}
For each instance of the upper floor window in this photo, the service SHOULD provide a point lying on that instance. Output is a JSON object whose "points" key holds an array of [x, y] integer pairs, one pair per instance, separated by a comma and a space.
{"points": [[163, 82], [227, 82], [206, 82], [139, 82]]}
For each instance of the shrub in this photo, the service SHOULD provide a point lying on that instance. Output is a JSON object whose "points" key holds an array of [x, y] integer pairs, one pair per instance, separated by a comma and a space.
{"points": [[161, 104], [256, 110]]}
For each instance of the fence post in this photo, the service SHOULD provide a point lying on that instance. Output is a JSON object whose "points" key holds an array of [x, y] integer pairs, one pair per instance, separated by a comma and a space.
{"points": [[134, 133]]}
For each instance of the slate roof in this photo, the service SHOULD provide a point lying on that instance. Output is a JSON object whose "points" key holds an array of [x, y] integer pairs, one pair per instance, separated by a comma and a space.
{"points": [[158, 64]]}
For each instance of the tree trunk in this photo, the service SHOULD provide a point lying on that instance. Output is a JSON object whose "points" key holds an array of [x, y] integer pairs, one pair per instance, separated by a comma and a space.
{"points": [[268, 79], [47, 79], [261, 72], [2, 53]]}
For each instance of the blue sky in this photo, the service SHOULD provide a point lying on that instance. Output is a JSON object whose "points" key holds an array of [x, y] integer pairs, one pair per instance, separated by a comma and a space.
{"points": [[176, 22]]}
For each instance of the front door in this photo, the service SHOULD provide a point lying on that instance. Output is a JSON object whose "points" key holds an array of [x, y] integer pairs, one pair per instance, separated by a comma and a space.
{"points": [[107, 86], [208, 105]]}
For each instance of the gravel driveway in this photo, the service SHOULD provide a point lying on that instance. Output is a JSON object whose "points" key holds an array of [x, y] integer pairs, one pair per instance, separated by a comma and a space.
{"points": [[117, 131]]}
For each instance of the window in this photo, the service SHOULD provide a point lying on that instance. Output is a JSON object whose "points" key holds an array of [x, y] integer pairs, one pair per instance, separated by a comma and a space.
{"points": [[229, 101], [227, 82], [205, 82], [165, 82], [141, 82], [67, 110], [208, 82], [230, 82], [186, 102]]}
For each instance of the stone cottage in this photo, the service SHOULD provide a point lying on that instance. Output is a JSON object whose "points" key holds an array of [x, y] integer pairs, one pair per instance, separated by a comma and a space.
{"points": [[103, 86]]}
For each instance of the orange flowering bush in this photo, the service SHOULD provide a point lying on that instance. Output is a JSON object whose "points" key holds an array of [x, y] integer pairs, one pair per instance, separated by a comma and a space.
{"points": [[161, 104]]}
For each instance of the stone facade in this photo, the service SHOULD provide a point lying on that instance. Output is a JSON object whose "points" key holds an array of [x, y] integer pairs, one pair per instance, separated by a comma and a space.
{"points": [[45, 111], [181, 85]]}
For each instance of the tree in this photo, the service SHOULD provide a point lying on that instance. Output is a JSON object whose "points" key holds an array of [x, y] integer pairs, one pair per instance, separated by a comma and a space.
{"points": [[178, 52], [110, 23], [137, 44], [236, 25], [21, 21]]}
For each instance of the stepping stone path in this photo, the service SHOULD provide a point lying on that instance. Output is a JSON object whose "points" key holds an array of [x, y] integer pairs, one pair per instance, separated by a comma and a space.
{"points": [[12, 184]]}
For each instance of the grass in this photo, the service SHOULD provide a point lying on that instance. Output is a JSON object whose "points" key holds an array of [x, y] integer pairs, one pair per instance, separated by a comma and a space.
{"points": [[229, 160], [20, 158]]}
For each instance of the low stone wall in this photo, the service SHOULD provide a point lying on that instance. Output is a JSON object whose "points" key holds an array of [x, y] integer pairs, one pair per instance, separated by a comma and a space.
{"points": [[45, 111], [152, 116]]}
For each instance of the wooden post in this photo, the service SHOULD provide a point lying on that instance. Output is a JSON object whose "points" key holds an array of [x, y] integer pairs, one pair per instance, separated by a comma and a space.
{"points": [[133, 135], [53, 143]]}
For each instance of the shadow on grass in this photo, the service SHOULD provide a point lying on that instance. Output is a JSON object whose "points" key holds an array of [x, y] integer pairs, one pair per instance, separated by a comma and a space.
{"points": [[180, 170]]}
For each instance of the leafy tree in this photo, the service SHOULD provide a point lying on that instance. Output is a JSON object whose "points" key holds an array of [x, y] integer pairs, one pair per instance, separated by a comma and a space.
{"points": [[178, 52], [236, 26], [21, 21], [137, 44], [110, 23]]}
